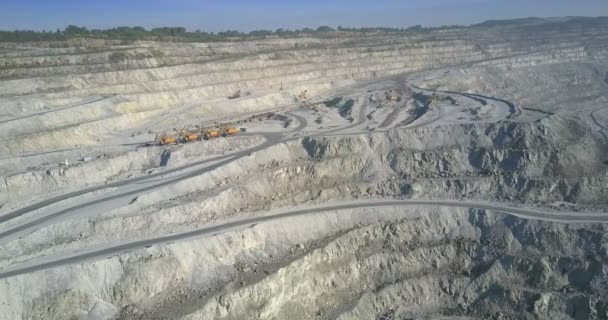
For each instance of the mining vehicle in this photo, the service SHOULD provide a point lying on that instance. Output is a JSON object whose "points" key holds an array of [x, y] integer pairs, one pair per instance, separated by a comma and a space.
{"points": [[434, 98], [210, 133], [302, 96], [189, 136], [228, 131], [165, 139], [390, 96]]}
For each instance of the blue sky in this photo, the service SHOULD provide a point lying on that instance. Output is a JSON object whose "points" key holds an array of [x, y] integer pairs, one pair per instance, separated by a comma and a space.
{"points": [[217, 15]]}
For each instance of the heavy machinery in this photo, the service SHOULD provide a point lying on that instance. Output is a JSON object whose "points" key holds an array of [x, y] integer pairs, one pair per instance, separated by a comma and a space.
{"points": [[210, 133], [189, 136], [302, 96], [236, 95], [390, 96], [165, 139], [228, 131], [434, 98]]}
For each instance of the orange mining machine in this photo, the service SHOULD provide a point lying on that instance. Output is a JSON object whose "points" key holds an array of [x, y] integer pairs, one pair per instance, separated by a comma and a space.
{"points": [[165, 139], [196, 134], [229, 131], [189, 136], [210, 133]]}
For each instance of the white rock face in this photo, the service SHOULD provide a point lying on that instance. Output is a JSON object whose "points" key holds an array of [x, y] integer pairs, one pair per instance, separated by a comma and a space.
{"points": [[490, 143]]}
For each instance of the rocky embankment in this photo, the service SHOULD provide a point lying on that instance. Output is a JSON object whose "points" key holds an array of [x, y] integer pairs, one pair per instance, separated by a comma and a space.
{"points": [[158, 238], [98, 88]]}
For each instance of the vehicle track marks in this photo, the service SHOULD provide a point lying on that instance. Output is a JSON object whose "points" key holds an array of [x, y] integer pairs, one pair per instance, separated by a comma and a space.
{"points": [[560, 217]]}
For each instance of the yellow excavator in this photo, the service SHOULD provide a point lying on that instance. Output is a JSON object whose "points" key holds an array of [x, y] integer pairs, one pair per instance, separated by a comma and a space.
{"points": [[165, 139], [189, 135], [209, 133], [228, 129]]}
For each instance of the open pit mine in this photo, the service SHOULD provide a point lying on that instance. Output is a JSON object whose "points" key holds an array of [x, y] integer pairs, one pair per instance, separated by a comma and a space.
{"points": [[456, 173]]}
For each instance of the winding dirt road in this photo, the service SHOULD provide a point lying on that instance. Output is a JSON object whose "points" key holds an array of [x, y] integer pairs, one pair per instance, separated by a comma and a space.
{"points": [[136, 186], [110, 250]]}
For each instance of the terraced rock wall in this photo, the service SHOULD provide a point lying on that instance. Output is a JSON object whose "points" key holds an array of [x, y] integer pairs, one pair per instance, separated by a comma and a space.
{"points": [[191, 81]]}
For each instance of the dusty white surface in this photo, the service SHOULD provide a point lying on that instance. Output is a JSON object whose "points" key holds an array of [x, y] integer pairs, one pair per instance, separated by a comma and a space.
{"points": [[517, 125]]}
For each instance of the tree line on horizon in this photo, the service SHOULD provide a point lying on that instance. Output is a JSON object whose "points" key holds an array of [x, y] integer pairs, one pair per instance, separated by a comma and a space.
{"points": [[181, 34], [176, 33]]}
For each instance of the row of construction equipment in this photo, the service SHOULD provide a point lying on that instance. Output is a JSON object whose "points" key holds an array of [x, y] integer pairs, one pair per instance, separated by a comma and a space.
{"points": [[196, 134]]}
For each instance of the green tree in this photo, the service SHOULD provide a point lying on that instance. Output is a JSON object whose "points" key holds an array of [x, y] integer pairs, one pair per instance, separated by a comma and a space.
{"points": [[325, 29]]}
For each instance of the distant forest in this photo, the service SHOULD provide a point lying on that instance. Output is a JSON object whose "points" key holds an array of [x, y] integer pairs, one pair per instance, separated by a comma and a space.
{"points": [[181, 34], [175, 33]]}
